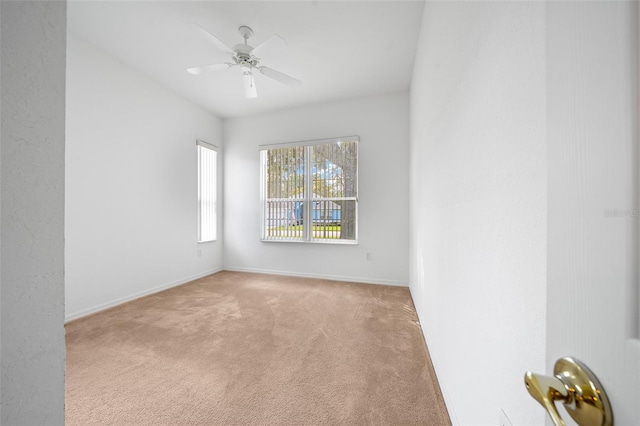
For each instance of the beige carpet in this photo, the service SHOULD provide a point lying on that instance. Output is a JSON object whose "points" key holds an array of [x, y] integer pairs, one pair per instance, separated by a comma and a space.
{"points": [[252, 349]]}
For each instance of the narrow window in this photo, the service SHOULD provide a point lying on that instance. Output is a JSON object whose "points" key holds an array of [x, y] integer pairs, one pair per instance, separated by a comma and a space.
{"points": [[207, 191], [310, 191]]}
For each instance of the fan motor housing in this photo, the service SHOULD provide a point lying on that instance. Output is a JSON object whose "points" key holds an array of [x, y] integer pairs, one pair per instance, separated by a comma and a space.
{"points": [[243, 55]]}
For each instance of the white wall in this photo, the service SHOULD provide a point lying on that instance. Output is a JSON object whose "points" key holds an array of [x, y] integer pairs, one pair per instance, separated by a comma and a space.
{"points": [[382, 124], [131, 200], [478, 203], [32, 214]]}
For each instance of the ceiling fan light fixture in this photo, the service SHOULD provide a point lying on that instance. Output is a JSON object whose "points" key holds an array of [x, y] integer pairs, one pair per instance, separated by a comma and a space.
{"points": [[249, 83]]}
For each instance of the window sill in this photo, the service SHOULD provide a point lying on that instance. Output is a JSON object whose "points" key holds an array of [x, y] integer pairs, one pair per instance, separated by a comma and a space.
{"points": [[338, 242]]}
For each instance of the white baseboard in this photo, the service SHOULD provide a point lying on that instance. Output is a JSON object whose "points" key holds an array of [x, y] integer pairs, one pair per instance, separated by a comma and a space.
{"points": [[101, 307], [445, 393], [319, 276], [443, 386]]}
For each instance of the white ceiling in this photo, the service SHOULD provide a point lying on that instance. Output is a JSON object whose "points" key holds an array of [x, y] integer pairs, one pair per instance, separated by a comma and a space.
{"points": [[339, 49]]}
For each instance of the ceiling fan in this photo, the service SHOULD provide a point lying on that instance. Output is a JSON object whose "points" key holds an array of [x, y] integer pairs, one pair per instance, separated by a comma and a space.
{"points": [[247, 58]]}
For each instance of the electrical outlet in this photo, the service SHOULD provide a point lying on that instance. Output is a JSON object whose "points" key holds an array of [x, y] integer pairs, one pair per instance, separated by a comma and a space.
{"points": [[199, 253], [504, 420], [368, 256]]}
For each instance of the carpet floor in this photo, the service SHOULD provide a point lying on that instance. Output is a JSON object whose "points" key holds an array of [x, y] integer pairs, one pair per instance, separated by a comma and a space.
{"points": [[251, 349]]}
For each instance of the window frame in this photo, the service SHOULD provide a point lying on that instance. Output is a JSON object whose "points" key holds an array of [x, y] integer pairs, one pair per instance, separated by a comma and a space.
{"points": [[308, 200], [200, 145]]}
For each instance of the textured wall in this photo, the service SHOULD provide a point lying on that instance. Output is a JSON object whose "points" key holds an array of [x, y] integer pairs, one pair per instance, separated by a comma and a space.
{"points": [[32, 214], [383, 198], [131, 195], [478, 203]]}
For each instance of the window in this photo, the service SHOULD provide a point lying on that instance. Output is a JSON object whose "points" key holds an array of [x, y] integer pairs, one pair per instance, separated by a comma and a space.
{"points": [[207, 191], [309, 191]]}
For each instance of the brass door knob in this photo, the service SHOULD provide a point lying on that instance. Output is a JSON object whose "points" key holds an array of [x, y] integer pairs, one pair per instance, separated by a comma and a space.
{"points": [[579, 390]]}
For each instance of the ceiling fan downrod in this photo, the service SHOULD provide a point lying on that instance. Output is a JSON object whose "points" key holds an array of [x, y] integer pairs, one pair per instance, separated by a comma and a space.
{"points": [[245, 32]]}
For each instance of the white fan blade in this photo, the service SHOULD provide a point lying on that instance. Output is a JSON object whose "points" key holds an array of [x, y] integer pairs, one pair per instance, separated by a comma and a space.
{"points": [[270, 46], [249, 84], [213, 39], [278, 76], [207, 68]]}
